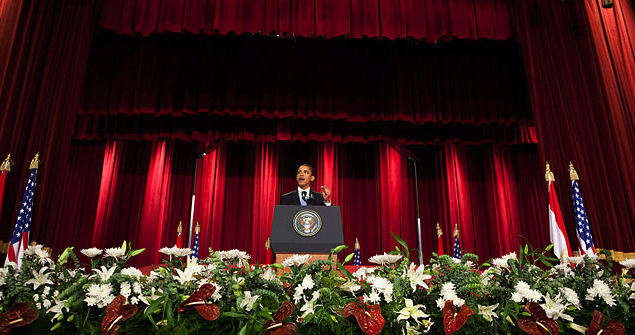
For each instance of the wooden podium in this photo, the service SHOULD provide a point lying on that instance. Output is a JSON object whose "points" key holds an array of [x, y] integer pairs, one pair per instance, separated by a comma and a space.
{"points": [[313, 230]]}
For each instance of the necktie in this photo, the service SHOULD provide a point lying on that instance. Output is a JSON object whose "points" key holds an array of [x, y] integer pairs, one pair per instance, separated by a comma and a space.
{"points": [[303, 201]]}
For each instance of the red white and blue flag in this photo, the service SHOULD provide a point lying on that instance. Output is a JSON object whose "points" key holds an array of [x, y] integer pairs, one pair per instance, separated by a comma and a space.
{"points": [[358, 257], [585, 240], [195, 243], [20, 237], [457, 244]]}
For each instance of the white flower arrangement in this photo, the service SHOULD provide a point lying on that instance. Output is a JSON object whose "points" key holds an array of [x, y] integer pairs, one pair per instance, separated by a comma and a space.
{"points": [[600, 290], [487, 312], [296, 260], [91, 252], [628, 263], [234, 255], [385, 259], [523, 292], [115, 253]]}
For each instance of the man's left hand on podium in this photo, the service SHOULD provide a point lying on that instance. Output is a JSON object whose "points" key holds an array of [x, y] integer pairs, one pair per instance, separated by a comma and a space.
{"points": [[326, 193]]}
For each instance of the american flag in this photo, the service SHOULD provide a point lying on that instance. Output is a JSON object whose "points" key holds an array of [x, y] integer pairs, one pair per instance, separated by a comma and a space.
{"points": [[195, 246], [585, 240], [457, 244], [20, 237], [358, 258]]}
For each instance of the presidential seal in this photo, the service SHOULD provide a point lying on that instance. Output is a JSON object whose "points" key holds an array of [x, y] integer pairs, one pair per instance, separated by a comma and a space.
{"points": [[307, 223]]}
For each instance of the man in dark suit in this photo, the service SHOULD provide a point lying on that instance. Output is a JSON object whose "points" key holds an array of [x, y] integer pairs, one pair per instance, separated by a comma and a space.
{"points": [[303, 195]]}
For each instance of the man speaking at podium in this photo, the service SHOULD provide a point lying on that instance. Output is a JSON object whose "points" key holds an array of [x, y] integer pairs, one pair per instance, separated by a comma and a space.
{"points": [[303, 196]]}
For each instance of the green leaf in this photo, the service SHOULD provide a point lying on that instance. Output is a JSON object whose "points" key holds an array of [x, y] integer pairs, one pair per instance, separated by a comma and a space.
{"points": [[402, 242], [345, 272], [243, 331], [349, 257], [153, 307], [169, 311], [234, 314]]}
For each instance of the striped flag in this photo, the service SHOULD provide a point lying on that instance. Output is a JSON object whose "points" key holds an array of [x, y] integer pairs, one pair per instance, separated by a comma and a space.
{"points": [[457, 243], [557, 231], [358, 258], [179, 238], [583, 231], [20, 237], [439, 240], [195, 244]]}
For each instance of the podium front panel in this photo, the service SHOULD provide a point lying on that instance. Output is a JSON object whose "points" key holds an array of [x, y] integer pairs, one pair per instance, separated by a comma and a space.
{"points": [[294, 229]]}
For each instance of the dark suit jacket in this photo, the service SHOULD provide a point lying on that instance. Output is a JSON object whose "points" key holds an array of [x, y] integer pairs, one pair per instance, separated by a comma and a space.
{"points": [[292, 198]]}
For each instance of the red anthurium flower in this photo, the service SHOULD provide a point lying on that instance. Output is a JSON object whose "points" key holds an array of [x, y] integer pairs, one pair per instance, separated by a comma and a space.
{"points": [[278, 327], [370, 319], [116, 312], [612, 327], [538, 323], [208, 311], [20, 314], [453, 321]]}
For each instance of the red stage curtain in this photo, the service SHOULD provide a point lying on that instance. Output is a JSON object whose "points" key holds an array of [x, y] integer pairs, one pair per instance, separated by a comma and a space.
{"points": [[579, 59], [45, 60], [238, 183], [421, 19]]}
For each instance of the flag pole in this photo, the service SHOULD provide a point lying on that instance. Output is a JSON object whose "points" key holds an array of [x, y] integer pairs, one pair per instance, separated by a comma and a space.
{"points": [[414, 162]]}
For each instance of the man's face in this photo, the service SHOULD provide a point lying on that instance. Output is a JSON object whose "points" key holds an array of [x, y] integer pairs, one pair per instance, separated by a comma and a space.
{"points": [[304, 177]]}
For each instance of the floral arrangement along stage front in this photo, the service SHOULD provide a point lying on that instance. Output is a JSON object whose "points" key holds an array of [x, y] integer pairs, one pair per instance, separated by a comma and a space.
{"points": [[224, 294]]}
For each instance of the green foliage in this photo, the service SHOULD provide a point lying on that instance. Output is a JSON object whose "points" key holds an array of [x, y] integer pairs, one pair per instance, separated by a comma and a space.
{"points": [[248, 295]]}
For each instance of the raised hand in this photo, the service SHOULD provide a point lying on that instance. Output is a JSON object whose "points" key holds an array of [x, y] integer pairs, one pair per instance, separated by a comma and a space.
{"points": [[326, 193]]}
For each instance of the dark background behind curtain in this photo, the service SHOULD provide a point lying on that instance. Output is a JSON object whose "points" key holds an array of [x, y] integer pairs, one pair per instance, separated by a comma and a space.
{"points": [[578, 58]]}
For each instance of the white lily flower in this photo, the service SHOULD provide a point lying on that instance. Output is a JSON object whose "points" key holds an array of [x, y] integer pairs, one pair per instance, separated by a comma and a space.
{"points": [[487, 312], [58, 309], [411, 311], [555, 309], [104, 274], [185, 277], [350, 286], [417, 277], [39, 278], [249, 301]]}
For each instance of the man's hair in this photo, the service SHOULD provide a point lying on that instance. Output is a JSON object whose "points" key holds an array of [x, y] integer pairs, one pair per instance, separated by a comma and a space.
{"points": [[307, 165]]}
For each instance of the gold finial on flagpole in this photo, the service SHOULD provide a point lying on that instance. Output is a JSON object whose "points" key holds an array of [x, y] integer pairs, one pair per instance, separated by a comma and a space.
{"points": [[198, 227], [456, 230], [439, 231], [35, 162], [180, 228], [268, 244], [7, 164], [356, 243], [573, 174], [548, 174]]}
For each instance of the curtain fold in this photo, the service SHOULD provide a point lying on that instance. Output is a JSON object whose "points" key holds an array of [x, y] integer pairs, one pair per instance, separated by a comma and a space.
{"points": [[430, 20], [143, 194], [579, 59]]}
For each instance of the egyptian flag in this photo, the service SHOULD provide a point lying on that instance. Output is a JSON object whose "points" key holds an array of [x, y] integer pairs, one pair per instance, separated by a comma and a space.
{"points": [[557, 231]]}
